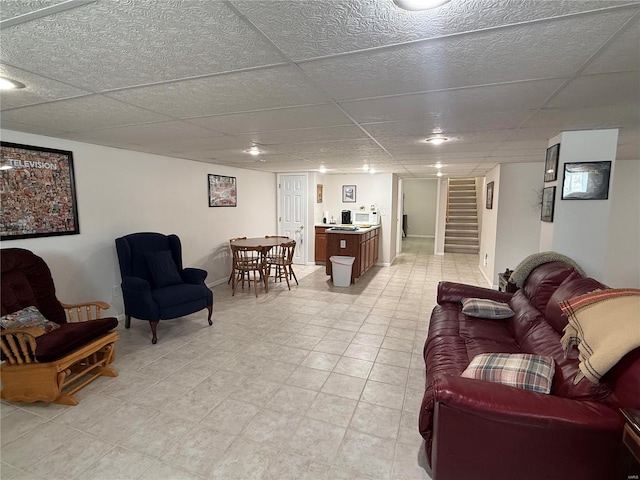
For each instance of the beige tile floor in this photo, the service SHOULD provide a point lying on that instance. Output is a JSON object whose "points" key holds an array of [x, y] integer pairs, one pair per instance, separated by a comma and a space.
{"points": [[314, 383]]}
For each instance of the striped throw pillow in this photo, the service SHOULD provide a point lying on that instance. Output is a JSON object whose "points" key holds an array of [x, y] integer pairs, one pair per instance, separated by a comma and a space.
{"points": [[522, 370], [483, 308]]}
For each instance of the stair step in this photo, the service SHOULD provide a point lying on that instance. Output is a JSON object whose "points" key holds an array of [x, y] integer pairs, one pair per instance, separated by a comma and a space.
{"points": [[463, 219], [462, 226], [461, 249], [460, 240], [461, 233]]}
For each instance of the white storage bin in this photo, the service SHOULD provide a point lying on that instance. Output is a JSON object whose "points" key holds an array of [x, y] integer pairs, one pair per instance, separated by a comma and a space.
{"points": [[341, 269]]}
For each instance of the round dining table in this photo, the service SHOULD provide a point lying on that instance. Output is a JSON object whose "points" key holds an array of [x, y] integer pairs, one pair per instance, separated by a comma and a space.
{"points": [[265, 244]]}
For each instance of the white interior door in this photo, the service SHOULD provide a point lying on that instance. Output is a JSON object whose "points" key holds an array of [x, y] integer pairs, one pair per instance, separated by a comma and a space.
{"points": [[293, 207]]}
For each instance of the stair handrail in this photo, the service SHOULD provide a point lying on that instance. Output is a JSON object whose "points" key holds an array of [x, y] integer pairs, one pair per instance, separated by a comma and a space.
{"points": [[448, 187]]}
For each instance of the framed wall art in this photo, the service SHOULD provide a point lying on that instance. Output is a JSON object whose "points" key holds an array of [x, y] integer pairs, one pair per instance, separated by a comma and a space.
{"points": [[222, 191], [586, 181], [548, 203], [319, 189], [37, 193], [551, 163], [489, 199], [348, 194]]}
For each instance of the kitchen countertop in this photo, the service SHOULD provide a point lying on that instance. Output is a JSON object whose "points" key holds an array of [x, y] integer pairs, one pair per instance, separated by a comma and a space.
{"points": [[360, 230]]}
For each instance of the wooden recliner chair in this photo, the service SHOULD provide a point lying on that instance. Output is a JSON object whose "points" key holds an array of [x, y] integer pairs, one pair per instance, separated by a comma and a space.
{"points": [[52, 366]]}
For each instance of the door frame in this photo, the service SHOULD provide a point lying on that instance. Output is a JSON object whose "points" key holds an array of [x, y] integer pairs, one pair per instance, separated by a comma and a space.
{"points": [[305, 212]]}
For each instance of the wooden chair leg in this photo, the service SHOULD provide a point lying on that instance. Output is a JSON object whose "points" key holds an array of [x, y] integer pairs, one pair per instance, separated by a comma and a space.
{"points": [[255, 284], [291, 272], [154, 326], [210, 308]]}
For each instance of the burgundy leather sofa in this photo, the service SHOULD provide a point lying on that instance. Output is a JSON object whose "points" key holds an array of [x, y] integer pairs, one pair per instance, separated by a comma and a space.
{"points": [[474, 429]]}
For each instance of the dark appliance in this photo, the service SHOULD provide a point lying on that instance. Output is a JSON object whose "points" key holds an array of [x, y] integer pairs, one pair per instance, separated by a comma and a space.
{"points": [[346, 217]]}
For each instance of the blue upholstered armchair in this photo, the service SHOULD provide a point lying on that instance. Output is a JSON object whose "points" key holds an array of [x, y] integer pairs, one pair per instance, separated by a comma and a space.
{"points": [[154, 285]]}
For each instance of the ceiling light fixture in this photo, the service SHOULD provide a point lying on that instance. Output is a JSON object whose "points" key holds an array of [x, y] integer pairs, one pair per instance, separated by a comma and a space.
{"points": [[365, 167], [372, 171], [436, 140], [8, 84], [438, 165], [253, 151], [439, 174], [323, 169], [419, 4]]}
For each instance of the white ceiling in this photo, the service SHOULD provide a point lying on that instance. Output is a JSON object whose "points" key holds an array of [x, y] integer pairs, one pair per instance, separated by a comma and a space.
{"points": [[337, 83]]}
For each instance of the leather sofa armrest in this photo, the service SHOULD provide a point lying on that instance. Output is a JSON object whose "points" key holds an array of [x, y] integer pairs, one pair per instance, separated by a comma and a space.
{"points": [[488, 431], [193, 275], [455, 292]]}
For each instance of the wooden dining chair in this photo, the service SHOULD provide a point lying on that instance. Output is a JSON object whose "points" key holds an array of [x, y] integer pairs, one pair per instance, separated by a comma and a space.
{"points": [[281, 258], [233, 271], [247, 260]]}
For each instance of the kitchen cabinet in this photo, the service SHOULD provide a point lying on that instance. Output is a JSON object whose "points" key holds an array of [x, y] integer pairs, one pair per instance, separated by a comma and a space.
{"points": [[361, 244]]}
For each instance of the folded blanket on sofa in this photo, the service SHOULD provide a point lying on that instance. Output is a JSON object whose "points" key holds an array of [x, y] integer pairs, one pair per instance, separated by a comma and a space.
{"points": [[605, 326], [523, 269]]}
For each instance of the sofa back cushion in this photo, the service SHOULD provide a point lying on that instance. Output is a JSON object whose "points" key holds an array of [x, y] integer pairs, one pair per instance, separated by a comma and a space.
{"points": [[544, 280], [571, 287]]}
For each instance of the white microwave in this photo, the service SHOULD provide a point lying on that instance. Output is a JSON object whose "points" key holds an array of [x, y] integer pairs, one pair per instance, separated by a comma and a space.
{"points": [[365, 218]]}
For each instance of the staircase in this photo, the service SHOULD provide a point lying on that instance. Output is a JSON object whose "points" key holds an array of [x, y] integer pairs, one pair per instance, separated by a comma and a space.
{"points": [[461, 231]]}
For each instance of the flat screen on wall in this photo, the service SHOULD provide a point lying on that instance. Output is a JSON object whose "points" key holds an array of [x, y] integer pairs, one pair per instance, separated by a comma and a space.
{"points": [[586, 181]]}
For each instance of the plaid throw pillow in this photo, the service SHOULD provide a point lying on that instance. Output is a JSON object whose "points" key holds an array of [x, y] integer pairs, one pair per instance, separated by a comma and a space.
{"points": [[522, 370], [483, 308], [28, 317]]}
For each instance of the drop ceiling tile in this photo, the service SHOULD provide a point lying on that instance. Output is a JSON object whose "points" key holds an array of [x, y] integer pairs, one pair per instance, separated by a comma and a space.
{"points": [[623, 54], [276, 119], [11, 9], [38, 89], [212, 37], [356, 25], [595, 90], [479, 59], [589, 118], [171, 136], [96, 112], [230, 93], [303, 135], [36, 130], [363, 144], [456, 102]]}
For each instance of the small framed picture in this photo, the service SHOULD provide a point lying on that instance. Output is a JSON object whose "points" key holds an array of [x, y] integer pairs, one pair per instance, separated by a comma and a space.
{"points": [[222, 191], [348, 194], [548, 203], [586, 181], [319, 188], [489, 200], [551, 164]]}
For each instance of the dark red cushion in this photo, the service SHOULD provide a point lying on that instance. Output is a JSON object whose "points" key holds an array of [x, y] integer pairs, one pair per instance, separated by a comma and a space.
{"points": [[71, 336]]}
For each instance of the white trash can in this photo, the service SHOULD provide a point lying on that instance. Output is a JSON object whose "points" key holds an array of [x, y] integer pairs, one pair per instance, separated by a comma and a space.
{"points": [[341, 269]]}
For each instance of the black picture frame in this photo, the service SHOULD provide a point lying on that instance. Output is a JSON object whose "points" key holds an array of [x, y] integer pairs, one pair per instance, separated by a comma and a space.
{"points": [[551, 163], [548, 204], [489, 199], [348, 194], [586, 180], [38, 192], [223, 191]]}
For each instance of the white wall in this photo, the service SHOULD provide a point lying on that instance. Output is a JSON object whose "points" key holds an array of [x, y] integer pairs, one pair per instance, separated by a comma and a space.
{"points": [[622, 259], [378, 188], [420, 201], [489, 232], [511, 229], [121, 192], [579, 228]]}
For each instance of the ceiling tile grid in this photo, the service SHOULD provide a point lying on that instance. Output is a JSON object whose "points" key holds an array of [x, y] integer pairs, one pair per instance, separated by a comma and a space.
{"points": [[336, 83]]}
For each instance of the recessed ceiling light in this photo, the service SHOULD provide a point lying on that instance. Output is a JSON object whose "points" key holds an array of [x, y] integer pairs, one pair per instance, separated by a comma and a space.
{"points": [[253, 151], [8, 84], [439, 174], [438, 165], [419, 4], [365, 167], [372, 171], [322, 169], [436, 140]]}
